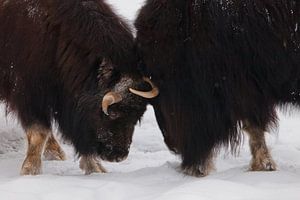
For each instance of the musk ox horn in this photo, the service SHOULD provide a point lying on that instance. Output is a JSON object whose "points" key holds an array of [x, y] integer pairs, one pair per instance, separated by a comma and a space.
{"points": [[109, 99], [148, 95]]}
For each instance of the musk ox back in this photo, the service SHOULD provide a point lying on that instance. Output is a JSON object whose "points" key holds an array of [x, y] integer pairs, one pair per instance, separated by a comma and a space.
{"points": [[73, 62], [221, 66]]}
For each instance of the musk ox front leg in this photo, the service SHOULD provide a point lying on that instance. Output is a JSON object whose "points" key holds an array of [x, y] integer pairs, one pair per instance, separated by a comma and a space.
{"points": [[90, 165], [37, 136], [261, 157]]}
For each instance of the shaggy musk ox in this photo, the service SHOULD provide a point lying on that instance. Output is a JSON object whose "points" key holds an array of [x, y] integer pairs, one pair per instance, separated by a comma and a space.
{"points": [[221, 66], [67, 61]]}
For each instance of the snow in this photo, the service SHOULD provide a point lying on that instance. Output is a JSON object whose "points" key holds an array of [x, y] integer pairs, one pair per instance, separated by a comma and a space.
{"points": [[127, 8], [151, 171]]}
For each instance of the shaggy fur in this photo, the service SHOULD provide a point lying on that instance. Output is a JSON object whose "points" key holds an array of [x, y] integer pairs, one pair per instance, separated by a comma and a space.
{"points": [[58, 59], [219, 63]]}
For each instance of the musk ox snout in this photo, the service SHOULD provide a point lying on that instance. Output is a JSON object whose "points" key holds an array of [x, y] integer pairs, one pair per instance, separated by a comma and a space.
{"points": [[123, 104], [114, 154], [113, 142]]}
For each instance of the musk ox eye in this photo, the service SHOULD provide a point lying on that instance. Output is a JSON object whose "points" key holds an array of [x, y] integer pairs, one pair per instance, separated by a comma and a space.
{"points": [[114, 115]]}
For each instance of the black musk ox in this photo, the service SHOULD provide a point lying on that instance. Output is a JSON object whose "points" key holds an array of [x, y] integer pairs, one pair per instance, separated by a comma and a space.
{"points": [[67, 61], [222, 66]]}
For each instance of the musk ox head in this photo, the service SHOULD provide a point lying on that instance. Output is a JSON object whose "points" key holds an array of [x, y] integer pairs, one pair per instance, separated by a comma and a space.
{"points": [[112, 113]]}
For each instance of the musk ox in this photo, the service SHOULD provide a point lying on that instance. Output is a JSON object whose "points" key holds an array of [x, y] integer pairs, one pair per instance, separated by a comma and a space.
{"points": [[67, 61], [222, 66]]}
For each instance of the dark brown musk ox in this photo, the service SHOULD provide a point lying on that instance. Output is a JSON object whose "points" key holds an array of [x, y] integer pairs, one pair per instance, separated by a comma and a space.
{"points": [[222, 66], [70, 62]]}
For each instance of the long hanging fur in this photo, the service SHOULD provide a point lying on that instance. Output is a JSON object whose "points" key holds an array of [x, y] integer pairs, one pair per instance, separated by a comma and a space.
{"points": [[218, 63]]}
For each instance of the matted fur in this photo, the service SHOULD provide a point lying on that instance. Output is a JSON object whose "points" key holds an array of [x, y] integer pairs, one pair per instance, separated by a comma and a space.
{"points": [[52, 55], [218, 63]]}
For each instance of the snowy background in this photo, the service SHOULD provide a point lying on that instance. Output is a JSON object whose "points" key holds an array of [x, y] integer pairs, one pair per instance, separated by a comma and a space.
{"points": [[151, 172]]}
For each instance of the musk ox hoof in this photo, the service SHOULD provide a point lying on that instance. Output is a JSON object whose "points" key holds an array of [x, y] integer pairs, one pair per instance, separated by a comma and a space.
{"points": [[54, 154], [266, 164], [198, 171], [90, 165], [31, 166]]}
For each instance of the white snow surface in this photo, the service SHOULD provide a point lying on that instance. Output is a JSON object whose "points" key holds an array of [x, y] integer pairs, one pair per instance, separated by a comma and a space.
{"points": [[151, 171]]}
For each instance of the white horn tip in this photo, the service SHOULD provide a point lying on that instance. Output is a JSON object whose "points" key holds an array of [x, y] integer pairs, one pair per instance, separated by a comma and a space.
{"points": [[105, 112]]}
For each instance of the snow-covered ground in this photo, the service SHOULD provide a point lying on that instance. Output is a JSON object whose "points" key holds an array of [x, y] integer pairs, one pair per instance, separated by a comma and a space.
{"points": [[151, 172]]}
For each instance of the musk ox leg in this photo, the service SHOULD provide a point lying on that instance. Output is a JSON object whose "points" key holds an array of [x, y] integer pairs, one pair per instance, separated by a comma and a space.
{"points": [[89, 164], [199, 170], [261, 157], [53, 151], [37, 136]]}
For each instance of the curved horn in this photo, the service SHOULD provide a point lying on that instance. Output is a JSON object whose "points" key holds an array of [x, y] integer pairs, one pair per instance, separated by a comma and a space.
{"points": [[148, 95], [109, 99]]}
